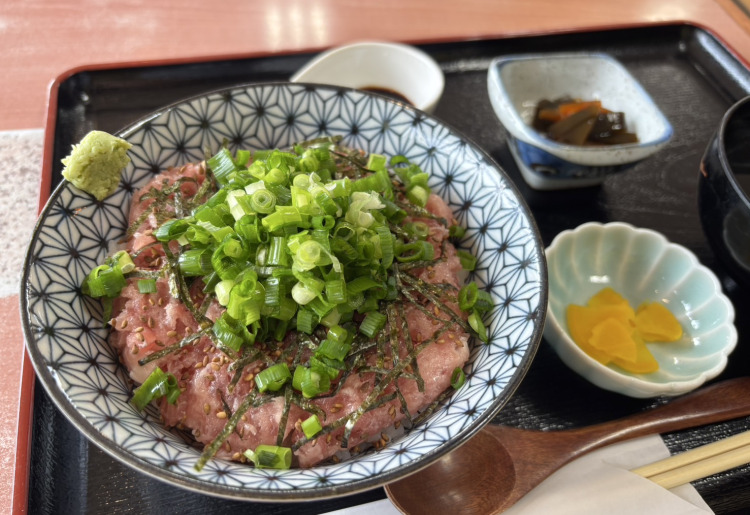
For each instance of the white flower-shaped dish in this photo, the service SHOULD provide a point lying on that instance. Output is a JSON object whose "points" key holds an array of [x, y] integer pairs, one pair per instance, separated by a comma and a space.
{"points": [[381, 67], [67, 339], [641, 265], [517, 83]]}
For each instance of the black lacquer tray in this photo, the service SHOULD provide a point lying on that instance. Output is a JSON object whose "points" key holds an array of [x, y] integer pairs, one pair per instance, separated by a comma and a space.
{"points": [[688, 72]]}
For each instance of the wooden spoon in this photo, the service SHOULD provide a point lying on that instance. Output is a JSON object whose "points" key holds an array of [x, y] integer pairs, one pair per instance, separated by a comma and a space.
{"points": [[501, 464]]}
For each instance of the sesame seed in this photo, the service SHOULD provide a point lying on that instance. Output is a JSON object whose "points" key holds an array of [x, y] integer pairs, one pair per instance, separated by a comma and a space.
{"points": [[206, 408], [210, 377], [139, 337], [150, 322], [397, 424], [221, 414], [216, 366], [336, 459], [135, 349], [123, 324], [328, 438], [151, 301], [160, 302], [384, 437], [227, 446], [249, 377], [139, 329], [199, 365]]}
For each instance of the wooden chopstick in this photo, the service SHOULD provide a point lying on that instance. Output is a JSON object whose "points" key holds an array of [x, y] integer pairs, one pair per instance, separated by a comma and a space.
{"points": [[700, 462]]}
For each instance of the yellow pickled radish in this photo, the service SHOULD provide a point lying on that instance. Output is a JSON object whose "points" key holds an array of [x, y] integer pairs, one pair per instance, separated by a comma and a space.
{"points": [[644, 363], [610, 331], [614, 338], [656, 323], [607, 297]]}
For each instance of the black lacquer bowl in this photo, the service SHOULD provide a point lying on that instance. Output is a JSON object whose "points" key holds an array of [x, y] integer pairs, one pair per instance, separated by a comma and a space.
{"points": [[724, 191]]}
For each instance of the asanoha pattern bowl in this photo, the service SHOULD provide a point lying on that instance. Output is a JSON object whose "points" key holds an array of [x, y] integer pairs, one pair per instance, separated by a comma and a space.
{"points": [[67, 339], [517, 83], [642, 266]]}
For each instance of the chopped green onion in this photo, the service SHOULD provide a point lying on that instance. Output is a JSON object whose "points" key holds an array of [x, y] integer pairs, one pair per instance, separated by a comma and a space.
{"points": [[229, 332], [468, 262], [146, 286], [194, 262], [222, 165], [458, 377], [372, 324], [484, 302], [273, 378], [157, 385], [311, 426], [270, 456], [171, 230], [456, 231], [467, 296], [336, 291], [263, 201], [312, 382], [104, 281], [475, 322], [306, 320], [415, 251], [337, 334], [333, 349], [123, 261]]}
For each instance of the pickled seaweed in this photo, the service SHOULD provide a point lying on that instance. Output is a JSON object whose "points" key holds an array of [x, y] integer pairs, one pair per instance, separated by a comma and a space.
{"points": [[580, 122]]}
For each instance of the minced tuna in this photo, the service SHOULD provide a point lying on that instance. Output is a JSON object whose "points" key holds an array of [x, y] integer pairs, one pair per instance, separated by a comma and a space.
{"points": [[147, 323]]}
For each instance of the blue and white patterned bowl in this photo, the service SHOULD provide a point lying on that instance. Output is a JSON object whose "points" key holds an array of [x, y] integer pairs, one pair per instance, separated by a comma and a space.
{"points": [[517, 83], [67, 340], [642, 266]]}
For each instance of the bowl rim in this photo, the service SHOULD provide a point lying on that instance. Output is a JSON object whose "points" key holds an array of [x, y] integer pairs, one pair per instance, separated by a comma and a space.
{"points": [[520, 130], [436, 92], [726, 167], [226, 491], [609, 378]]}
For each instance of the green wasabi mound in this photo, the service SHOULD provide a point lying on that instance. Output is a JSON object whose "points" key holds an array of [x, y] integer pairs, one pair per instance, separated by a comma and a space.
{"points": [[95, 164]]}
